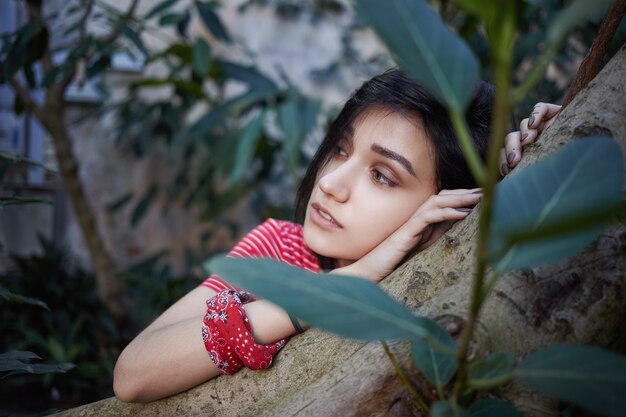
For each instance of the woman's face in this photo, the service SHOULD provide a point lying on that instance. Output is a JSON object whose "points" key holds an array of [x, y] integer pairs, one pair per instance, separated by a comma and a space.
{"points": [[372, 184]]}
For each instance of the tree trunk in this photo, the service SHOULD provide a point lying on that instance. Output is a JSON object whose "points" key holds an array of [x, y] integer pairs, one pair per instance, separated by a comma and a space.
{"points": [[51, 114], [111, 292], [579, 300]]}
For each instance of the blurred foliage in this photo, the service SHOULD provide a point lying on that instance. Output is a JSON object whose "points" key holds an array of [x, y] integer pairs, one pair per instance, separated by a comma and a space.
{"points": [[73, 327], [534, 23]]}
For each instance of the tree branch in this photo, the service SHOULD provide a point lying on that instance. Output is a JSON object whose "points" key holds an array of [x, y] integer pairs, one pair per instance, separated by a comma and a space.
{"points": [[591, 64], [28, 102]]}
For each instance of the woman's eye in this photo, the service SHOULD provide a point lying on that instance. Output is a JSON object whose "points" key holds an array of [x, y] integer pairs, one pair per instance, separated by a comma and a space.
{"points": [[340, 151], [380, 178]]}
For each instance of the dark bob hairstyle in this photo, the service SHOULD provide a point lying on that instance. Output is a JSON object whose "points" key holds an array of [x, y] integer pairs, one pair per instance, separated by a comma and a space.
{"points": [[395, 91]]}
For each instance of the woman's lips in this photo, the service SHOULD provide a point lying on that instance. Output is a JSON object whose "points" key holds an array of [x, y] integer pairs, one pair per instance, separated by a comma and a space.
{"points": [[321, 217]]}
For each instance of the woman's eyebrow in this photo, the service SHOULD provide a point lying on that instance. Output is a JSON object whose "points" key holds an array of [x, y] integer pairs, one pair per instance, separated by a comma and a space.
{"points": [[388, 153]]}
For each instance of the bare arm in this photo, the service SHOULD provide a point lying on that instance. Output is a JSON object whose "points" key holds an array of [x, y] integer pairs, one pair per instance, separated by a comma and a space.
{"points": [[169, 357]]}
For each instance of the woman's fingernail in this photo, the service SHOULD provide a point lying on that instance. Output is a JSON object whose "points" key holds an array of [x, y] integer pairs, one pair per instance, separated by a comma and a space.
{"points": [[504, 169], [531, 121], [463, 209], [477, 192], [524, 136], [510, 157]]}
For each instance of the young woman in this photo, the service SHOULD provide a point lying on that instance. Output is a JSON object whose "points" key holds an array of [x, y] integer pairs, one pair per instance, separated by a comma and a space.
{"points": [[388, 180]]}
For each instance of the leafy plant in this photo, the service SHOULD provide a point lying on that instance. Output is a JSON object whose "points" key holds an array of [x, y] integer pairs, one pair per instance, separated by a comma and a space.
{"points": [[554, 218], [71, 328]]}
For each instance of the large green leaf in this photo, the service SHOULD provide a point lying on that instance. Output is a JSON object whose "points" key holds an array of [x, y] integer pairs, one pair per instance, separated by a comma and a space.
{"points": [[438, 367], [447, 409], [587, 376], [345, 305], [492, 371], [558, 206], [493, 408], [425, 47]]}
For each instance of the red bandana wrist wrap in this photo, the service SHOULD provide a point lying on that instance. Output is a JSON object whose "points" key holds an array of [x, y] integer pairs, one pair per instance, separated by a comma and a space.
{"points": [[228, 337]]}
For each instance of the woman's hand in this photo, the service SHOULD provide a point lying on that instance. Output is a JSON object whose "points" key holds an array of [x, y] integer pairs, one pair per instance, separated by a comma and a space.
{"points": [[429, 222], [542, 117]]}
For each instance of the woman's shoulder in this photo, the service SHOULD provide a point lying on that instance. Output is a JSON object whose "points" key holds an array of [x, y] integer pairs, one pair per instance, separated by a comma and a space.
{"points": [[293, 247], [285, 227]]}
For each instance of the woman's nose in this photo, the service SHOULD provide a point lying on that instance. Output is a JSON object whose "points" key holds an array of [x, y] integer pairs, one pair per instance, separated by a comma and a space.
{"points": [[335, 184]]}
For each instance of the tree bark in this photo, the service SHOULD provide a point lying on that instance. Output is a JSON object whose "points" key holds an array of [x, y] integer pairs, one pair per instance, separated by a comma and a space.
{"points": [[578, 300]]}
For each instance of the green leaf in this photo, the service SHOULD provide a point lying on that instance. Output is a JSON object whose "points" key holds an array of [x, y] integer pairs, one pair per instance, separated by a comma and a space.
{"points": [[258, 83], [201, 57], [491, 372], [119, 203], [182, 25], [56, 349], [220, 113], [172, 19], [144, 204], [297, 116], [558, 206], [179, 50], [438, 367], [586, 376], [425, 47], [577, 12], [20, 299], [17, 362], [14, 201], [134, 37], [447, 409], [211, 19], [246, 145], [348, 306], [160, 8], [493, 408]]}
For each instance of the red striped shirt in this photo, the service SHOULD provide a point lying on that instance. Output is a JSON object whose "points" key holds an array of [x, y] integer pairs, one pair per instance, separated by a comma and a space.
{"points": [[274, 239]]}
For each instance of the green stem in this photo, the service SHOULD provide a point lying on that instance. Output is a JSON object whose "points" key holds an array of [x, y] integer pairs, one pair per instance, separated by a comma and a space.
{"points": [[501, 115], [467, 146], [404, 378], [534, 75]]}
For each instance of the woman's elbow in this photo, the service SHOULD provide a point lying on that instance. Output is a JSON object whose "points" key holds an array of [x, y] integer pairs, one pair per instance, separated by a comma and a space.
{"points": [[128, 385]]}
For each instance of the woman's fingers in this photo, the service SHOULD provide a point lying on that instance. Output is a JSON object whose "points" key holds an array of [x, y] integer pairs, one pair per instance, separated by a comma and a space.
{"points": [[542, 116], [452, 205], [512, 150], [543, 113], [504, 166], [461, 191]]}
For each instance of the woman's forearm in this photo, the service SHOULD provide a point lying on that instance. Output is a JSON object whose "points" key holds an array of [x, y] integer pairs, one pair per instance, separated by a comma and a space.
{"points": [[164, 360]]}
